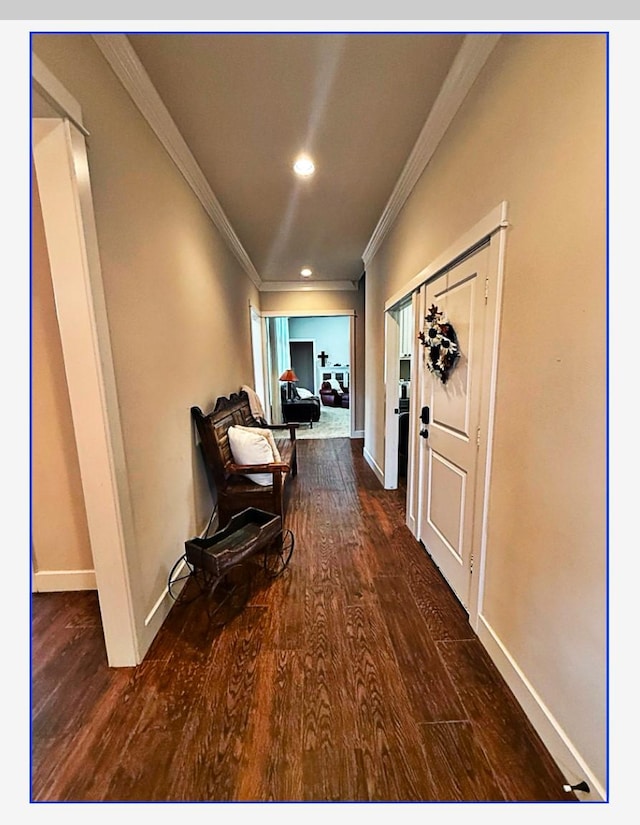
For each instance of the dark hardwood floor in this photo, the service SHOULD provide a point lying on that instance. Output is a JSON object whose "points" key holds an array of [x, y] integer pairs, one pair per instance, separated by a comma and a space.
{"points": [[353, 677]]}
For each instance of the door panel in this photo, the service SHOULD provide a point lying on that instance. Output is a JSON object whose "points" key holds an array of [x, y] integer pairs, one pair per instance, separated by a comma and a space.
{"points": [[448, 485], [449, 458]]}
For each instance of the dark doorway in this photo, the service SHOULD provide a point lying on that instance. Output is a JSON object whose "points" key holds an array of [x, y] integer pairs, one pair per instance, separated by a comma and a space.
{"points": [[302, 363]]}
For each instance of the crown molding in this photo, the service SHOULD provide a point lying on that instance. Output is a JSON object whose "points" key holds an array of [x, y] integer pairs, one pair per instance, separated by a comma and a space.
{"points": [[122, 58], [300, 286], [470, 59]]}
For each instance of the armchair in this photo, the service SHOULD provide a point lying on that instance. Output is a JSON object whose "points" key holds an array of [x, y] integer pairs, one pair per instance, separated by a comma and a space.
{"points": [[332, 396]]}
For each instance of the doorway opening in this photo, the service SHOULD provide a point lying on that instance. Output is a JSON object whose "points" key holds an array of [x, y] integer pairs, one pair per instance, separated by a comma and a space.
{"points": [[321, 345], [399, 353]]}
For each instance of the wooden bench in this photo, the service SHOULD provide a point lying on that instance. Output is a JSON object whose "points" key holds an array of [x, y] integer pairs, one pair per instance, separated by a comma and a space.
{"points": [[234, 491]]}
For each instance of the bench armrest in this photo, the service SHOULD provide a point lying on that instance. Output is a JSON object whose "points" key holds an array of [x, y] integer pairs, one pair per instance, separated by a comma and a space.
{"points": [[274, 468]]}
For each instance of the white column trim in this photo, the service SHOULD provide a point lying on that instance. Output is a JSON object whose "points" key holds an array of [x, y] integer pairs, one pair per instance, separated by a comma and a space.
{"points": [[120, 55], [470, 59], [391, 402], [60, 162]]}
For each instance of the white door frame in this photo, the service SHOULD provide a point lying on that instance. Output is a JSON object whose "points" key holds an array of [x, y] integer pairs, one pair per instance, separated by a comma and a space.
{"points": [[350, 313], [392, 390], [259, 357], [60, 160], [391, 397], [493, 226]]}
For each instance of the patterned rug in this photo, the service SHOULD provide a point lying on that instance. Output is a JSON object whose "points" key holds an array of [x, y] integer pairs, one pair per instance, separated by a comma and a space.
{"points": [[335, 422]]}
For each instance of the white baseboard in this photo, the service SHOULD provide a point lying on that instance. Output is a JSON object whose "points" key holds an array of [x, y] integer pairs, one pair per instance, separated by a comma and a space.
{"points": [[371, 462], [411, 524], [55, 581], [357, 434], [566, 756]]}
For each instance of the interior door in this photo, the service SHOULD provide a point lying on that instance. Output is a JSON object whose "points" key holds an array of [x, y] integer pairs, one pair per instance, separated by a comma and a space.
{"points": [[302, 363], [449, 446]]}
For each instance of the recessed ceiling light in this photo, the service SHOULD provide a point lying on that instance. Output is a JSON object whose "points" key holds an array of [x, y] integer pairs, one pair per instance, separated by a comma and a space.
{"points": [[304, 166], [306, 272]]}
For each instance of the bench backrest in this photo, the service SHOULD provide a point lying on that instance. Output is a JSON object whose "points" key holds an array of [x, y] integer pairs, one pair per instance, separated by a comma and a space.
{"points": [[213, 430]]}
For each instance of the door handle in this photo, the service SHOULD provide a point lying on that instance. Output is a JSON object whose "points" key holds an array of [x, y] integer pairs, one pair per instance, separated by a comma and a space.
{"points": [[424, 433]]}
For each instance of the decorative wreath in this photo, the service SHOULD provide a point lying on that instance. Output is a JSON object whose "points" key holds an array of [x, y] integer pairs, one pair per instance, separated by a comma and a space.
{"points": [[440, 342]]}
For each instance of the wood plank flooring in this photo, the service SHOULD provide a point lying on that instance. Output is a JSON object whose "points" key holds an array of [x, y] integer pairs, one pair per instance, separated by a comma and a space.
{"points": [[354, 677]]}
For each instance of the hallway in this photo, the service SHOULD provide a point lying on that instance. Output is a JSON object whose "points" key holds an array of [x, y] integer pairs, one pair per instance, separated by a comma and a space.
{"points": [[354, 677]]}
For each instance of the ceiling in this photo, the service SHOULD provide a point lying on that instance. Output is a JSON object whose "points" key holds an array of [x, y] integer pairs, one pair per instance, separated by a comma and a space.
{"points": [[248, 104]]}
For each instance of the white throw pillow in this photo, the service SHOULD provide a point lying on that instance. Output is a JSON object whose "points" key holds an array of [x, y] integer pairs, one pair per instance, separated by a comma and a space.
{"points": [[249, 447], [263, 431], [334, 385], [304, 393]]}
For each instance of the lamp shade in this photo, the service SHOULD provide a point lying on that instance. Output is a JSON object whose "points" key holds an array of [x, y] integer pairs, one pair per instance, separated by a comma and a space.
{"points": [[288, 375]]}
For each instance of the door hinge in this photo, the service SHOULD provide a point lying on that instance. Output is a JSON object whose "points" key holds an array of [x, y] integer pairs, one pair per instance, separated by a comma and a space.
{"points": [[486, 290], [471, 563], [478, 437]]}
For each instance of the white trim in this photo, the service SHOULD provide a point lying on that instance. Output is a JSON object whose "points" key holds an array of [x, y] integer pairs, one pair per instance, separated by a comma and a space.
{"points": [[374, 466], [415, 480], [60, 581], [413, 459], [493, 221], [60, 160], [260, 383], [489, 379], [565, 754], [357, 434], [391, 398], [120, 55], [315, 286], [469, 61], [303, 313], [352, 374], [159, 602]]}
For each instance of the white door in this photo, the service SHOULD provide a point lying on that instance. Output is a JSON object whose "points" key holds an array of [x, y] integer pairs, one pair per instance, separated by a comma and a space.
{"points": [[449, 446]]}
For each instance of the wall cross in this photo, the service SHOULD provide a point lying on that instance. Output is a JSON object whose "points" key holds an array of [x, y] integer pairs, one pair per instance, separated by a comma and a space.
{"points": [[323, 358]]}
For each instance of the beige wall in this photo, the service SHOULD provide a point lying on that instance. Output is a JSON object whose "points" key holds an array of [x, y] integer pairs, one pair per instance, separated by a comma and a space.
{"points": [[329, 301], [178, 311], [60, 535], [531, 132]]}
